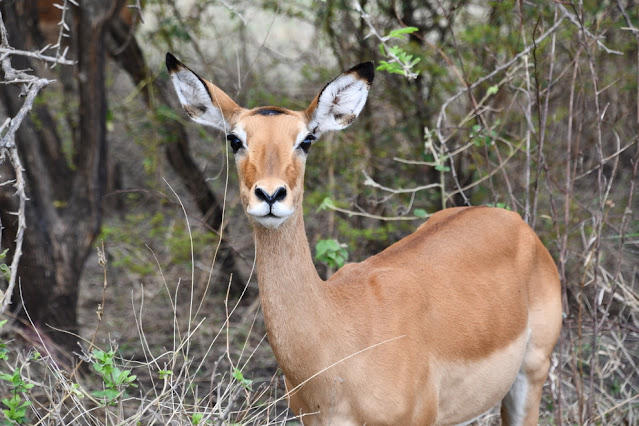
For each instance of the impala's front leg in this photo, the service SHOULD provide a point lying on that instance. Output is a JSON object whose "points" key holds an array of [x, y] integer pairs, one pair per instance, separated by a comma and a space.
{"points": [[295, 402]]}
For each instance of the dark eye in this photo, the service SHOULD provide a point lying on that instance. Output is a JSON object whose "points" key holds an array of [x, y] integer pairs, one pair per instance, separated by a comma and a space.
{"points": [[306, 143], [234, 141]]}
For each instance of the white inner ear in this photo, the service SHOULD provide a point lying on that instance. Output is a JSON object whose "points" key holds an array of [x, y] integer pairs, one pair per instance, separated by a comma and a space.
{"points": [[196, 100], [339, 104]]}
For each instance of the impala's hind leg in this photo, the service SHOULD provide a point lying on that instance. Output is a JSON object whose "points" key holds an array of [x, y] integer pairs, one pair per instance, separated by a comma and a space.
{"points": [[520, 406]]}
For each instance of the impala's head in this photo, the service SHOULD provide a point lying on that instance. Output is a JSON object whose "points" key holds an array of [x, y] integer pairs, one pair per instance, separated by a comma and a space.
{"points": [[270, 144]]}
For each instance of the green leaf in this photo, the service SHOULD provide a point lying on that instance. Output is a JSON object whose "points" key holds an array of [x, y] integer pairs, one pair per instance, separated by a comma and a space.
{"points": [[108, 394], [390, 67], [165, 374], [331, 252], [326, 204], [399, 33], [420, 213], [246, 383], [5, 271], [492, 90], [197, 418]]}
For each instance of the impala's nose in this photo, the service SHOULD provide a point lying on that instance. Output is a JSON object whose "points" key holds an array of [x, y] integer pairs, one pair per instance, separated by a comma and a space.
{"points": [[278, 195]]}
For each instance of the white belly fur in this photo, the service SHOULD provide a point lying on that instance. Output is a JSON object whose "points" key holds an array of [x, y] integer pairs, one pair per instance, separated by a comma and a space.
{"points": [[488, 380]]}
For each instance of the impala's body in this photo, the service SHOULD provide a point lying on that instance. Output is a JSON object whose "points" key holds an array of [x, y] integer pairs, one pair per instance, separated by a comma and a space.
{"points": [[436, 329]]}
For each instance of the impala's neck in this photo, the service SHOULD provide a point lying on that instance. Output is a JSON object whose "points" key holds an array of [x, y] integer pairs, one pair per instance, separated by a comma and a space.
{"points": [[287, 277], [294, 297]]}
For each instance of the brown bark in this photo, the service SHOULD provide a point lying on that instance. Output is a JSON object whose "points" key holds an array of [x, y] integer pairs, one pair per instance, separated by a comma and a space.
{"points": [[64, 213]]}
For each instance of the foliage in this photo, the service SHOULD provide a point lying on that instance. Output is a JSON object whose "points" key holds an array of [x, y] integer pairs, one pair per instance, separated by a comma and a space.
{"points": [[16, 381], [116, 380], [5, 270], [16, 411], [16, 408], [401, 61], [331, 252], [244, 382]]}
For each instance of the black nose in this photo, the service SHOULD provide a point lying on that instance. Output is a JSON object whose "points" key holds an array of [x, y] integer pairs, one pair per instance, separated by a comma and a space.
{"points": [[278, 195]]}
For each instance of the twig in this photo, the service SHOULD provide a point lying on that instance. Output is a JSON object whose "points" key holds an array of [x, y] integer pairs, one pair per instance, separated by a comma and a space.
{"points": [[370, 182], [373, 216]]}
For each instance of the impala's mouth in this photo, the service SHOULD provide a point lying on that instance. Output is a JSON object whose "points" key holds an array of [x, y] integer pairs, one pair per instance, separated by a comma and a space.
{"points": [[269, 216], [269, 220]]}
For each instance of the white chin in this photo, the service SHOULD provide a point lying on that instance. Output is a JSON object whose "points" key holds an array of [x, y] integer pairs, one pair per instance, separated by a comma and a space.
{"points": [[270, 222]]}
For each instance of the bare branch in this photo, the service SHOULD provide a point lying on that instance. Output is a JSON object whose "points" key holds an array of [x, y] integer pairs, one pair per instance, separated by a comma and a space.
{"points": [[575, 20], [370, 182], [22, 225], [36, 55], [31, 86]]}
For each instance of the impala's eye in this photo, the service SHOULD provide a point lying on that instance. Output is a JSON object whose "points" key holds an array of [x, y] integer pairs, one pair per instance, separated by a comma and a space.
{"points": [[306, 143], [235, 142]]}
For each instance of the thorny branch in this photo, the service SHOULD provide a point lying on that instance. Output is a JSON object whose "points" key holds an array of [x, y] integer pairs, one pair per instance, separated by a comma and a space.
{"points": [[64, 32], [7, 51], [30, 87], [60, 58]]}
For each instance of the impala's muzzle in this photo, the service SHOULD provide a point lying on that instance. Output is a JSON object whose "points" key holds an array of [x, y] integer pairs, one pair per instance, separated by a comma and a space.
{"points": [[270, 199], [269, 207]]}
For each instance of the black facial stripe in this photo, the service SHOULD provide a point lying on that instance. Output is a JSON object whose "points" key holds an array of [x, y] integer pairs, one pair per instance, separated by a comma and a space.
{"points": [[268, 111]]}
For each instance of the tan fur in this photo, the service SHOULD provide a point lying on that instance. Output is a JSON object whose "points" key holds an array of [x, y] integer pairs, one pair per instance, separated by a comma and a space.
{"points": [[433, 330]]}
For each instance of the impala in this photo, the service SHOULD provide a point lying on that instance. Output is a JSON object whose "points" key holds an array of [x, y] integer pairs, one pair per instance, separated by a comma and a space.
{"points": [[436, 329]]}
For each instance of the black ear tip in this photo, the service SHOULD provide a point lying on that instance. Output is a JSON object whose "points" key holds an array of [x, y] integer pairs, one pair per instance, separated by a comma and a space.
{"points": [[172, 64], [365, 70]]}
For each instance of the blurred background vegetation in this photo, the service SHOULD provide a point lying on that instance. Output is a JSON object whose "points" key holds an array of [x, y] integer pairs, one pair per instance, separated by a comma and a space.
{"points": [[134, 211]]}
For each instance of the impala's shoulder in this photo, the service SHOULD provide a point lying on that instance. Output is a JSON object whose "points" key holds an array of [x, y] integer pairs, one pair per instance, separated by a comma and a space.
{"points": [[358, 274], [347, 271]]}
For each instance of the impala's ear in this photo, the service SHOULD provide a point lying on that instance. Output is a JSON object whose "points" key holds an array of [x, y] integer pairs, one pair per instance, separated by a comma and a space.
{"points": [[204, 102], [341, 101]]}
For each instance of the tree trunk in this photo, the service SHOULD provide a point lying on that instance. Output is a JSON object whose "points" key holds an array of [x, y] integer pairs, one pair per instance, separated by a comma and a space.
{"points": [[64, 212]]}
